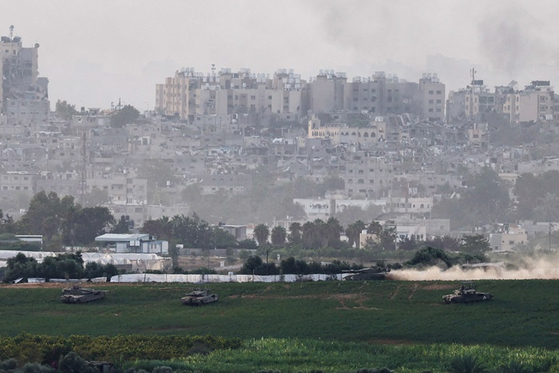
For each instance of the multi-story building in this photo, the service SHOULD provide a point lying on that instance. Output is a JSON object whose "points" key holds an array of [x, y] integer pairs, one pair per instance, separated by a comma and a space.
{"points": [[229, 183], [24, 94], [410, 206], [367, 176], [341, 133], [18, 181], [534, 103], [432, 97], [381, 95], [122, 187], [327, 92], [189, 93], [507, 237]]}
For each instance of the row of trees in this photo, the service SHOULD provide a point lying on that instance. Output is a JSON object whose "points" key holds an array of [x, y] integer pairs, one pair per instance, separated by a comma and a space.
{"points": [[68, 266], [255, 265], [63, 222], [320, 234], [189, 231], [124, 115], [311, 235]]}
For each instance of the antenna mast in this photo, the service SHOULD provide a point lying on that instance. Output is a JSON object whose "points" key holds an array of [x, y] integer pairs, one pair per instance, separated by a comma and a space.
{"points": [[473, 73], [11, 32], [83, 173]]}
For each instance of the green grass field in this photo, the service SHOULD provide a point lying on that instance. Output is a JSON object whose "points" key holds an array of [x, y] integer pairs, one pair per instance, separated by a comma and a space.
{"points": [[523, 313], [357, 315]]}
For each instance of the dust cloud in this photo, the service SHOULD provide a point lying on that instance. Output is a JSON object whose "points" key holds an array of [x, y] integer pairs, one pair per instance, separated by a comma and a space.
{"points": [[543, 268]]}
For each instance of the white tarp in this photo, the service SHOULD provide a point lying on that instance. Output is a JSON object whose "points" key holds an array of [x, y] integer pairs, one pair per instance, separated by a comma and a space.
{"points": [[150, 277]]}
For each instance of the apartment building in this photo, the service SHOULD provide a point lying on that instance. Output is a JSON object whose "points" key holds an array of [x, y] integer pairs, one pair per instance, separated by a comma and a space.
{"points": [[380, 94], [191, 93], [229, 183], [122, 186], [507, 237], [367, 176], [432, 97], [24, 94], [327, 91], [18, 181], [534, 103]]}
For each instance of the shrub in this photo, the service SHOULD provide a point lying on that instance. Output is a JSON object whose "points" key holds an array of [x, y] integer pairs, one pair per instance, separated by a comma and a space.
{"points": [[73, 363], [466, 364]]}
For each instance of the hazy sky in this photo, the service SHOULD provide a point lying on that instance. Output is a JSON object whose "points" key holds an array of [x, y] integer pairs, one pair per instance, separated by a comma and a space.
{"points": [[95, 52]]}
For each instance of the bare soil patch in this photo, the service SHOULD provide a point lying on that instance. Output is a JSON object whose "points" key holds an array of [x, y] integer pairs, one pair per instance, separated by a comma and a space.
{"points": [[415, 287]]}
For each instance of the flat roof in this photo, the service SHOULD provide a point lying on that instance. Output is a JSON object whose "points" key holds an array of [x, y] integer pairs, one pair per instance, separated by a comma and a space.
{"points": [[118, 237]]}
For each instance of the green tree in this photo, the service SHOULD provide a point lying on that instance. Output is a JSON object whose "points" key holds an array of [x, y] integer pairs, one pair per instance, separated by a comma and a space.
{"points": [[123, 225], [486, 199], [295, 233], [127, 115], [530, 191], [295, 267], [255, 265], [73, 363], [408, 244], [7, 224], [444, 243], [332, 231], [261, 233], [353, 231], [20, 266], [475, 244], [278, 236], [96, 197], [46, 215], [429, 256], [160, 228], [86, 224], [223, 239], [547, 208], [64, 110], [313, 234]]}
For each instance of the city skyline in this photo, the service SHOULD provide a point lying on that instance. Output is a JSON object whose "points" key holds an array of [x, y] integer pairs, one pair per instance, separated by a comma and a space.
{"points": [[93, 55]]}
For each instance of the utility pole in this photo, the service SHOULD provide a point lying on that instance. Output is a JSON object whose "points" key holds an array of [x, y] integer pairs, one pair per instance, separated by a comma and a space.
{"points": [[83, 171], [549, 238], [473, 73]]}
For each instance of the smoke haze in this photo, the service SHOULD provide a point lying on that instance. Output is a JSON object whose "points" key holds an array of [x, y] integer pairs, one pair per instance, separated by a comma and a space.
{"points": [[543, 268]]}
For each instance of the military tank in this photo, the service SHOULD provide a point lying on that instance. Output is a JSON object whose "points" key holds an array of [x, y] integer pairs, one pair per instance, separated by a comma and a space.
{"points": [[199, 297], [77, 294], [371, 273], [467, 294]]}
